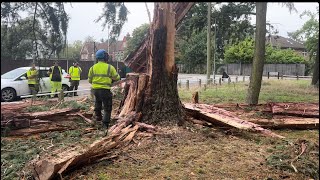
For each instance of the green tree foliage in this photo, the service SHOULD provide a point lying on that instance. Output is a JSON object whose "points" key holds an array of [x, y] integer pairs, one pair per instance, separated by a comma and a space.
{"points": [[114, 15], [48, 28], [243, 52], [138, 36], [193, 51], [232, 21], [72, 51], [15, 43], [309, 32]]}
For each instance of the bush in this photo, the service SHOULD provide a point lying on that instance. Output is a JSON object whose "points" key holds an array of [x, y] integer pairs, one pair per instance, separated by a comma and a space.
{"points": [[244, 51]]}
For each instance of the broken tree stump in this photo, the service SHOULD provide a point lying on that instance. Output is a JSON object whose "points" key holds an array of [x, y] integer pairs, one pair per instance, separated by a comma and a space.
{"points": [[195, 97], [222, 117]]}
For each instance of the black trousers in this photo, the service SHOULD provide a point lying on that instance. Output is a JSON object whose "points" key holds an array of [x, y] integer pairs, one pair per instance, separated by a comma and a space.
{"points": [[103, 96], [74, 84]]}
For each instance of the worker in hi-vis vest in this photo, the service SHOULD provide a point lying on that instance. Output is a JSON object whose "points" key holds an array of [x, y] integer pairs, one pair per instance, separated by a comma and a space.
{"points": [[55, 73], [74, 72], [33, 79], [101, 76]]}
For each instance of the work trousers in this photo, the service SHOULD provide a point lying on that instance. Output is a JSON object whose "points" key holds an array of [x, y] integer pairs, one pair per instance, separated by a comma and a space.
{"points": [[74, 84], [103, 96], [34, 88], [55, 86]]}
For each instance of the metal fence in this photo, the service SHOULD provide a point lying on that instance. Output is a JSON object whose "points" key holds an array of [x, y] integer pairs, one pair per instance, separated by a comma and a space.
{"points": [[283, 69], [8, 65], [245, 69]]}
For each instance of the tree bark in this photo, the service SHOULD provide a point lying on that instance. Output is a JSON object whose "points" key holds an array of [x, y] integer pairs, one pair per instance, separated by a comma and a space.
{"points": [[208, 41], [155, 93], [259, 54], [315, 76]]}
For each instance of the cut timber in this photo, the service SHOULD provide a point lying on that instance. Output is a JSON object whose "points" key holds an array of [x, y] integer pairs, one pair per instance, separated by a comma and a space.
{"points": [[222, 117], [288, 122], [21, 120], [195, 98], [296, 109]]}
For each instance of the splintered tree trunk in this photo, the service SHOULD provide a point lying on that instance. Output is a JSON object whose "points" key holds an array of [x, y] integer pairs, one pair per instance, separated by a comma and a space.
{"points": [[259, 54], [155, 93]]}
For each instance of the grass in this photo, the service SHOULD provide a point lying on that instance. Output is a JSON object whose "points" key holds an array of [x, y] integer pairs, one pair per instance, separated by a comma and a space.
{"points": [[271, 91]]}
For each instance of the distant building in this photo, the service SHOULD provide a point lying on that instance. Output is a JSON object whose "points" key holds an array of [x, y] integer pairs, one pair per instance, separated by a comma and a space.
{"points": [[116, 49], [286, 43]]}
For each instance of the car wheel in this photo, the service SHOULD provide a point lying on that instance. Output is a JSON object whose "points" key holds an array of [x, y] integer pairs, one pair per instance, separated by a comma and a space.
{"points": [[65, 88], [8, 94]]}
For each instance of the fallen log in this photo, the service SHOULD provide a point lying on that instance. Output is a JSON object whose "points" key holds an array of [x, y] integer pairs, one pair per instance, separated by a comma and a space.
{"points": [[288, 122], [38, 129], [65, 161], [222, 117], [23, 123], [296, 109], [47, 115]]}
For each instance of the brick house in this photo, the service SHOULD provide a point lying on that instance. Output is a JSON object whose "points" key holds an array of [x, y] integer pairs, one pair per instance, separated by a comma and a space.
{"points": [[116, 49], [286, 43]]}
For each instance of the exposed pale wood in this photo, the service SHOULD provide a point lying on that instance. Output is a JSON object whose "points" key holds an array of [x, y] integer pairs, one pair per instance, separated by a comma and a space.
{"points": [[38, 129], [140, 54], [65, 161], [296, 109], [288, 123], [222, 117]]}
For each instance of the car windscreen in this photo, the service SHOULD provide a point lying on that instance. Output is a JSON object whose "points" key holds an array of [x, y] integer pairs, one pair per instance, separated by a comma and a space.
{"points": [[13, 74]]}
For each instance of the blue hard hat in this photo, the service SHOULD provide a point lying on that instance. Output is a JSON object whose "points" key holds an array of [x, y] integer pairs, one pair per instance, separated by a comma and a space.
{"points": [[101, 54]]}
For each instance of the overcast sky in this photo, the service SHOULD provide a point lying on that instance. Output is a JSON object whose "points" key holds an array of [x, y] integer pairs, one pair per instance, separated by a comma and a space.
{"points": [[83, 15]]}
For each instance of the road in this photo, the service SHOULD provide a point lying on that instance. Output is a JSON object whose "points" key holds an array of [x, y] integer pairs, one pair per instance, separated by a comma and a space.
{"points": [[84, 85]]}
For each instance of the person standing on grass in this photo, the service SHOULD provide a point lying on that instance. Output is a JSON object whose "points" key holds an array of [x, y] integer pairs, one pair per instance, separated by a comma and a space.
{"points": [[101, 76], [55, 73], [33, 80], [74, 72]]}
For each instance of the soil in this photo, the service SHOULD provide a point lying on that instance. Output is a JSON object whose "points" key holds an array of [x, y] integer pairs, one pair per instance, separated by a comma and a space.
{"points": [[186, 152]]}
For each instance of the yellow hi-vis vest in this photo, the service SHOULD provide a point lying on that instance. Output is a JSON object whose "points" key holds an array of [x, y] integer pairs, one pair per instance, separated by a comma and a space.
{"points": [[101, 75], [60, 71], [32, 76], [75, 73]]}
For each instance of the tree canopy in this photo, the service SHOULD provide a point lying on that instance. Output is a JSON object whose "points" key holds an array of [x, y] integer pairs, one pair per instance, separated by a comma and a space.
{"points": [[309, 32], [47, 26], [138, 36]]}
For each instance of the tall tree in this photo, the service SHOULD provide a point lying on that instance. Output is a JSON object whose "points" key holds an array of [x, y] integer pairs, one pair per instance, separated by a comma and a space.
{"points": [[49, 24], [138, 35], [259, 54], [309, 33], [232, 25], [209, 41]]}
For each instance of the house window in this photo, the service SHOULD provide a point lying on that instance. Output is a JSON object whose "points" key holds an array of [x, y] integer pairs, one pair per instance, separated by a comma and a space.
{"points": [[304, 54]]}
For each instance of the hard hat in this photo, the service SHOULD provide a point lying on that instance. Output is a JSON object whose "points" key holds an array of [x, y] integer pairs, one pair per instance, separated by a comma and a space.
{"points": [[101, 54]]}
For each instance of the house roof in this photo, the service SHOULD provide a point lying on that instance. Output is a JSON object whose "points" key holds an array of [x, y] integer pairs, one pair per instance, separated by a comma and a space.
{"points": [[283, 42]]}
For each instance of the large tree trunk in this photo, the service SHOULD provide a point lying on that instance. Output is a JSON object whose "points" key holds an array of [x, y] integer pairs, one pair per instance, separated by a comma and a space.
{"points": [[259, 54], [208, 41], [315, 77], [155, 94]]}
